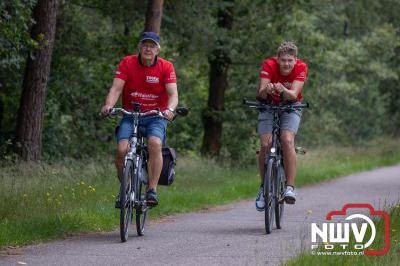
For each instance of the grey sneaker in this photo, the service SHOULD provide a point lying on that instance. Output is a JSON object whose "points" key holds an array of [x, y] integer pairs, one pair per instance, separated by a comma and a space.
{"points": [[290, 195], [260, 201], [152, 197]]}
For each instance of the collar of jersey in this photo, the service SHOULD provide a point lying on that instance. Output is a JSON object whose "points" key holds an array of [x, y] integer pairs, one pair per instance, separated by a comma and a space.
{"points": [[141, 63]]}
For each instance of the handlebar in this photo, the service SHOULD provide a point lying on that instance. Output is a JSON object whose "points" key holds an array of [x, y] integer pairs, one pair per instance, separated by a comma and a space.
{"points": [[268, 106], [183, 111], [155, 112]]}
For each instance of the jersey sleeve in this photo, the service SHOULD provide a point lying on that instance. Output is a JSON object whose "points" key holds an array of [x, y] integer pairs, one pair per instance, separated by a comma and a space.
{"points": [[301, 73], [169, 74], [266, 71], [122, 70]]}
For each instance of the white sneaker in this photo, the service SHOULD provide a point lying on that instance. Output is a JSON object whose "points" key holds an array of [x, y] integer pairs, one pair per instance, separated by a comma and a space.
{"points": [[260, 201], [290, 195]]}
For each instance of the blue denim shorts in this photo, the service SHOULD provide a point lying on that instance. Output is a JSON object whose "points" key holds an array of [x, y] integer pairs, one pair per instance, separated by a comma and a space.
{"points": [[153, 125]]}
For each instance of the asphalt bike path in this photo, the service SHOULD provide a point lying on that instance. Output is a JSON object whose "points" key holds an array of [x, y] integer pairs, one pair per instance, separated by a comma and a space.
{"points": [[231, 234]]}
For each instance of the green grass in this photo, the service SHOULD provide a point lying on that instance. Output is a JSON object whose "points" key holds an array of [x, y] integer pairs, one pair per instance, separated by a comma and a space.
{"points": [[324, 164], [390, 258], [46, 201]]}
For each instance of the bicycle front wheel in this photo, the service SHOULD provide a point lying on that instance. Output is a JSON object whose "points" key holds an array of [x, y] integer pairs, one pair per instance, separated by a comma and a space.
{"points": [[268, 195], [279, 202], [141, 209], [126, 202]]}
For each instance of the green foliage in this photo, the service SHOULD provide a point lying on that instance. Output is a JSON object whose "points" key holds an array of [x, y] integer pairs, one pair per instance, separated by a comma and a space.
{"points": [[352, 58], [15, 44], [15, 22], [82, 72]]}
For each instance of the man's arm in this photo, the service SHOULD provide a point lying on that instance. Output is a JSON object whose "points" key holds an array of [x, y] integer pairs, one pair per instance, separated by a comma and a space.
{"points": [[172, 90], [113, 95], [264, 88], [291, 94]]}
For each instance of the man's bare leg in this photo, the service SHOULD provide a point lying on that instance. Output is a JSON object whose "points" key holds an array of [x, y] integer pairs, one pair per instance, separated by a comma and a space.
{"points": [[265, 141], [155, 162], [289, 156], [122, 149]]}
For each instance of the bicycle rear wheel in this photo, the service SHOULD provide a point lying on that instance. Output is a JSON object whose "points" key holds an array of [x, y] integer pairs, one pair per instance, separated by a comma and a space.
{"points": [[126, 202], [268, 195], [279, 202]]}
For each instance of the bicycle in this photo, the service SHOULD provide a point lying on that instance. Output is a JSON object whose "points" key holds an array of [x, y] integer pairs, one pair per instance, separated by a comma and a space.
{"points": [[134, 180], [274, 175]]}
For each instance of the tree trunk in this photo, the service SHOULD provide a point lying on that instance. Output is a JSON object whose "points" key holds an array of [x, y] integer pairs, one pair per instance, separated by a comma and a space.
{"points": [[219, 64], [1, 114], [32, 105], [154, 15]]}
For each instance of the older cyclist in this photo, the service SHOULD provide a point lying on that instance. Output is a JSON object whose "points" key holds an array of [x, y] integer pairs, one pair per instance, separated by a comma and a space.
{"points": [[149, 80], [281, 79]]}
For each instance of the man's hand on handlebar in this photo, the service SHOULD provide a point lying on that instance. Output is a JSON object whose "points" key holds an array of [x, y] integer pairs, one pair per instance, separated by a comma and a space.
{"points": [[278, 89], [271, 89], [105, 110], [168, 114], [263, 92]]}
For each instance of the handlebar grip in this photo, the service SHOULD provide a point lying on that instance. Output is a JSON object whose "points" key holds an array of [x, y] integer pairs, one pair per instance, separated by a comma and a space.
{"points": [[247, 102], [112, 111], [304, 105]]}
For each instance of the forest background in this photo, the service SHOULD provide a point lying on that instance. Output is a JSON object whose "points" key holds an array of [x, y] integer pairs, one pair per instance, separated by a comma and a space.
{"points": [[351, 48]]}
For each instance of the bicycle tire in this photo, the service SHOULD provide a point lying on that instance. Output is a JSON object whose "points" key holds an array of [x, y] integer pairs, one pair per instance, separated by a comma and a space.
{"points": [[126, 203], [279, 202], [268, 196], [141, 208]]}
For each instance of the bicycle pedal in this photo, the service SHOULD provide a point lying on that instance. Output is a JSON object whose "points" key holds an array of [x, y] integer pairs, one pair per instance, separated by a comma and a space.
{"points": [[289, 200]]}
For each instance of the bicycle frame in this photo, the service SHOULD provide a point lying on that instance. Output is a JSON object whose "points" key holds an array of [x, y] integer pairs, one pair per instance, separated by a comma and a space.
{"points": [[134, 167], [137, 156], [276, 152], [274, 176], [135, 170]]}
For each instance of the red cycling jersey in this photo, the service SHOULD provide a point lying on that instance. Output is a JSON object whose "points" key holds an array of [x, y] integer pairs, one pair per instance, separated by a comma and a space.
{"points": [[270, 70], [143, 84]]}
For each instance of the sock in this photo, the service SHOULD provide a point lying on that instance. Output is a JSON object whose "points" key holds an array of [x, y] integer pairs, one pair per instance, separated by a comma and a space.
{"points": [[290, 186]]}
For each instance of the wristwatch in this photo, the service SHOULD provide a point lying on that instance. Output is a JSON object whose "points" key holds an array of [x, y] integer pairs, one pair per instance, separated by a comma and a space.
{"points": [[171, 109]]}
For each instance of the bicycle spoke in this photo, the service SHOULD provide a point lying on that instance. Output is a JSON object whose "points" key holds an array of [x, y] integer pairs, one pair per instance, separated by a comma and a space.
{"points": [[279, 203], [268, 195], [141, 209], [126, 204]]}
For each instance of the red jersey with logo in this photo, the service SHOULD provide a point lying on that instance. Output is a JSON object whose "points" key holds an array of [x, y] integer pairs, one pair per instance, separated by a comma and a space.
{"points": [[143, 84], [270, 70]]}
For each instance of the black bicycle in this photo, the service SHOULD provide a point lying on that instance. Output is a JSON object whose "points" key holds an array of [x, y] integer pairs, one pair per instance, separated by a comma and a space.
{"points": [[134, 181], [274, 175]]}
